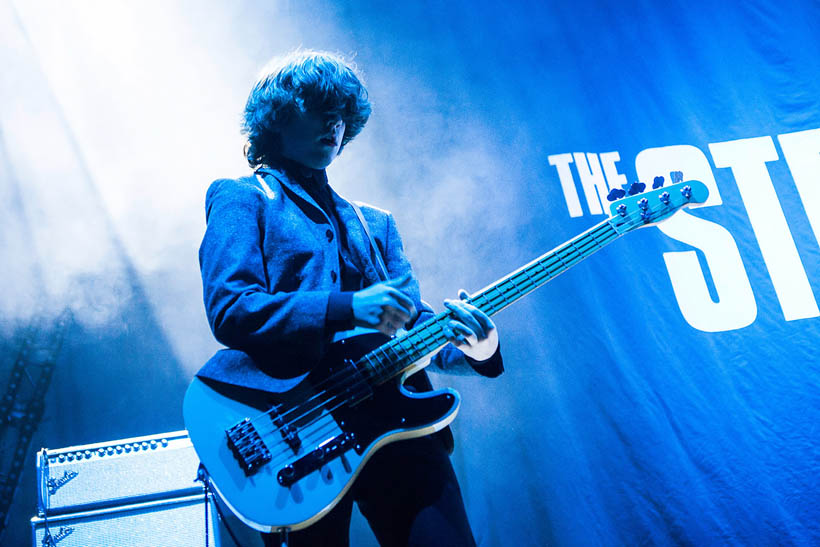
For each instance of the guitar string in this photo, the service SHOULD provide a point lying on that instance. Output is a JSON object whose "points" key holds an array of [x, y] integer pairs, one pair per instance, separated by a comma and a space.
{"points": [[325, 414], [633, 219], [345, 377]]}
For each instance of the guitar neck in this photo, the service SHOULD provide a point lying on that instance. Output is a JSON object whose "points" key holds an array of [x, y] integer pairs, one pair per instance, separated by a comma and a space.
{"points": [[396, 356]]}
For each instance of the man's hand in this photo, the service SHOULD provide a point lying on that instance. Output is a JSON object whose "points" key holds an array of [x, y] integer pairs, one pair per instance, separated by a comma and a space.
{"points": [[470, 329], [383, 306]]}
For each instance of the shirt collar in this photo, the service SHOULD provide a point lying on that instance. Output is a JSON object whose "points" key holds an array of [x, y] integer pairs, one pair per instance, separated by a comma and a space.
{"points": [[305, 176]]}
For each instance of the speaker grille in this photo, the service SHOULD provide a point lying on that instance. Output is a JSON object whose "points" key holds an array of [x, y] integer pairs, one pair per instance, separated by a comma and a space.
{"points": [[178, 522], [117, 472]]}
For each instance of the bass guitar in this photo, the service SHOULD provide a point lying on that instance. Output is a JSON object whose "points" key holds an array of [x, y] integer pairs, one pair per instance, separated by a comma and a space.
{"points": [[282, 461]]}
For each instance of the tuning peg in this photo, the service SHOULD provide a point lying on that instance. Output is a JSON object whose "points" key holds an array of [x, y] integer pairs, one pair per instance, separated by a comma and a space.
{"points": [[636, 188], [664, 197], [621, 209], [657, 182], [677, 176], [686, 191], [615, 194]]}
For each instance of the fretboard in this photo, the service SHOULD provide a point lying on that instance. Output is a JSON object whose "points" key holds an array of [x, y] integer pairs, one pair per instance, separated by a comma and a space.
{"points": [[396, 356]]}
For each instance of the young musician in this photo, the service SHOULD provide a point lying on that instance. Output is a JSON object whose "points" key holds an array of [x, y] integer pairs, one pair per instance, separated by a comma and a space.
{"points": [[287, 265]]}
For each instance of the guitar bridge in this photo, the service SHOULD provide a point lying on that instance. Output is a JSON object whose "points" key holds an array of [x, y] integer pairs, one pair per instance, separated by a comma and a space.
{"points": [[247, 446]]}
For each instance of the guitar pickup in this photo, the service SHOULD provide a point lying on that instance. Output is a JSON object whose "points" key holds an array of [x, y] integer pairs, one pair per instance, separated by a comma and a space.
{"points": [[316, 458], [247, 446], [288, 432]]}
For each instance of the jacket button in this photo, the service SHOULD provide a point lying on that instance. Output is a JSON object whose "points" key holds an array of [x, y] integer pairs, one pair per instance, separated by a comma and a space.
{"points": [[333, 276], [329, 235]]}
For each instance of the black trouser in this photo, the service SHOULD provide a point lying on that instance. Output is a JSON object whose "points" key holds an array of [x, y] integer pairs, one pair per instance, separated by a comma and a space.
{"points": [[408, 493]]}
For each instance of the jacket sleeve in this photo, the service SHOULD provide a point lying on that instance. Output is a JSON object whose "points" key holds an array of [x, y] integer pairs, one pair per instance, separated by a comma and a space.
{"points": [[450, 360], [283, 331]]}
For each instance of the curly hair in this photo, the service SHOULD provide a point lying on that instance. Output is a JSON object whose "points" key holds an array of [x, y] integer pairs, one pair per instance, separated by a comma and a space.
{"points": [[302, 80]]}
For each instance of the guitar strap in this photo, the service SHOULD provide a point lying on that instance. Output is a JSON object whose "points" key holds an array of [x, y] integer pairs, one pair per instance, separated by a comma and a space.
{"points": [[375, 253]]}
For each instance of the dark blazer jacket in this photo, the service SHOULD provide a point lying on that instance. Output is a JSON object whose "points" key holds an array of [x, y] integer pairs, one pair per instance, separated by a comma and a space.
{"points": [[269, 261]]}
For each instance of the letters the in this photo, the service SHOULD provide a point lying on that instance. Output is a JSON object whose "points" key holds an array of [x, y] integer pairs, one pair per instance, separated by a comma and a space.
{"points": [[561, 163], [613, 178], [592, 180]]}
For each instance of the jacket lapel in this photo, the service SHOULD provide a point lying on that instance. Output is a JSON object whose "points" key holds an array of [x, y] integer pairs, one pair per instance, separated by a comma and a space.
{"points": [[295, 188]]}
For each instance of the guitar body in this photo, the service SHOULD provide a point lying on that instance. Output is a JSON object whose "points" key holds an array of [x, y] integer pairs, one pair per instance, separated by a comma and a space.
{"points": [[314, 442]]}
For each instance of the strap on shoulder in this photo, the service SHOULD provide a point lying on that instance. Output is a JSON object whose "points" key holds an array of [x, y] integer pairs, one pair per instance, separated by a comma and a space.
{"points": [[375, 254]]}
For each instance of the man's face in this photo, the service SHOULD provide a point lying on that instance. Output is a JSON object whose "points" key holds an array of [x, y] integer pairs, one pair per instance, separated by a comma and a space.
{"points": [[312, 139]]}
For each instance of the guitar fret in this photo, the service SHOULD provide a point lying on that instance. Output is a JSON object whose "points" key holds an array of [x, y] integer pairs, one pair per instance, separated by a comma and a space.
{"points": [[542, 271], [551, 269], [610, 235], [494, 297], [548, 267], [438, 337], [487, 307], [423, 341], [398, 360], [387, 357], [522, 280], [529, 277], [587, 243], [554, 267], [595, 239], [606, 236], [528, 284], [415, 347], [380, 358], [374, 368], [397, 356], [500, 294], [566, 261], [428, 335], [571, 253], [569, 258], [510, 283], [491, 306], [604, 233], [390, 363], [405, 344], [587, 248], [606, 229]]}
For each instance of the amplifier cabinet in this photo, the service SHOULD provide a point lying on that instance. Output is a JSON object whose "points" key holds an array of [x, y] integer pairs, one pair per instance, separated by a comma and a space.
{"points": [[106, 474], [173, 522]]}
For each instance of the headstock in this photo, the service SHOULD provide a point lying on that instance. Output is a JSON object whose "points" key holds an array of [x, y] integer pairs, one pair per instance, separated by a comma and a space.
{"points": [[642, 208]]}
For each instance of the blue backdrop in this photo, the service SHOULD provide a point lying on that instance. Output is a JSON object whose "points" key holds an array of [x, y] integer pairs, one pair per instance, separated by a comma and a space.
{"points": [[665, 391]]}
